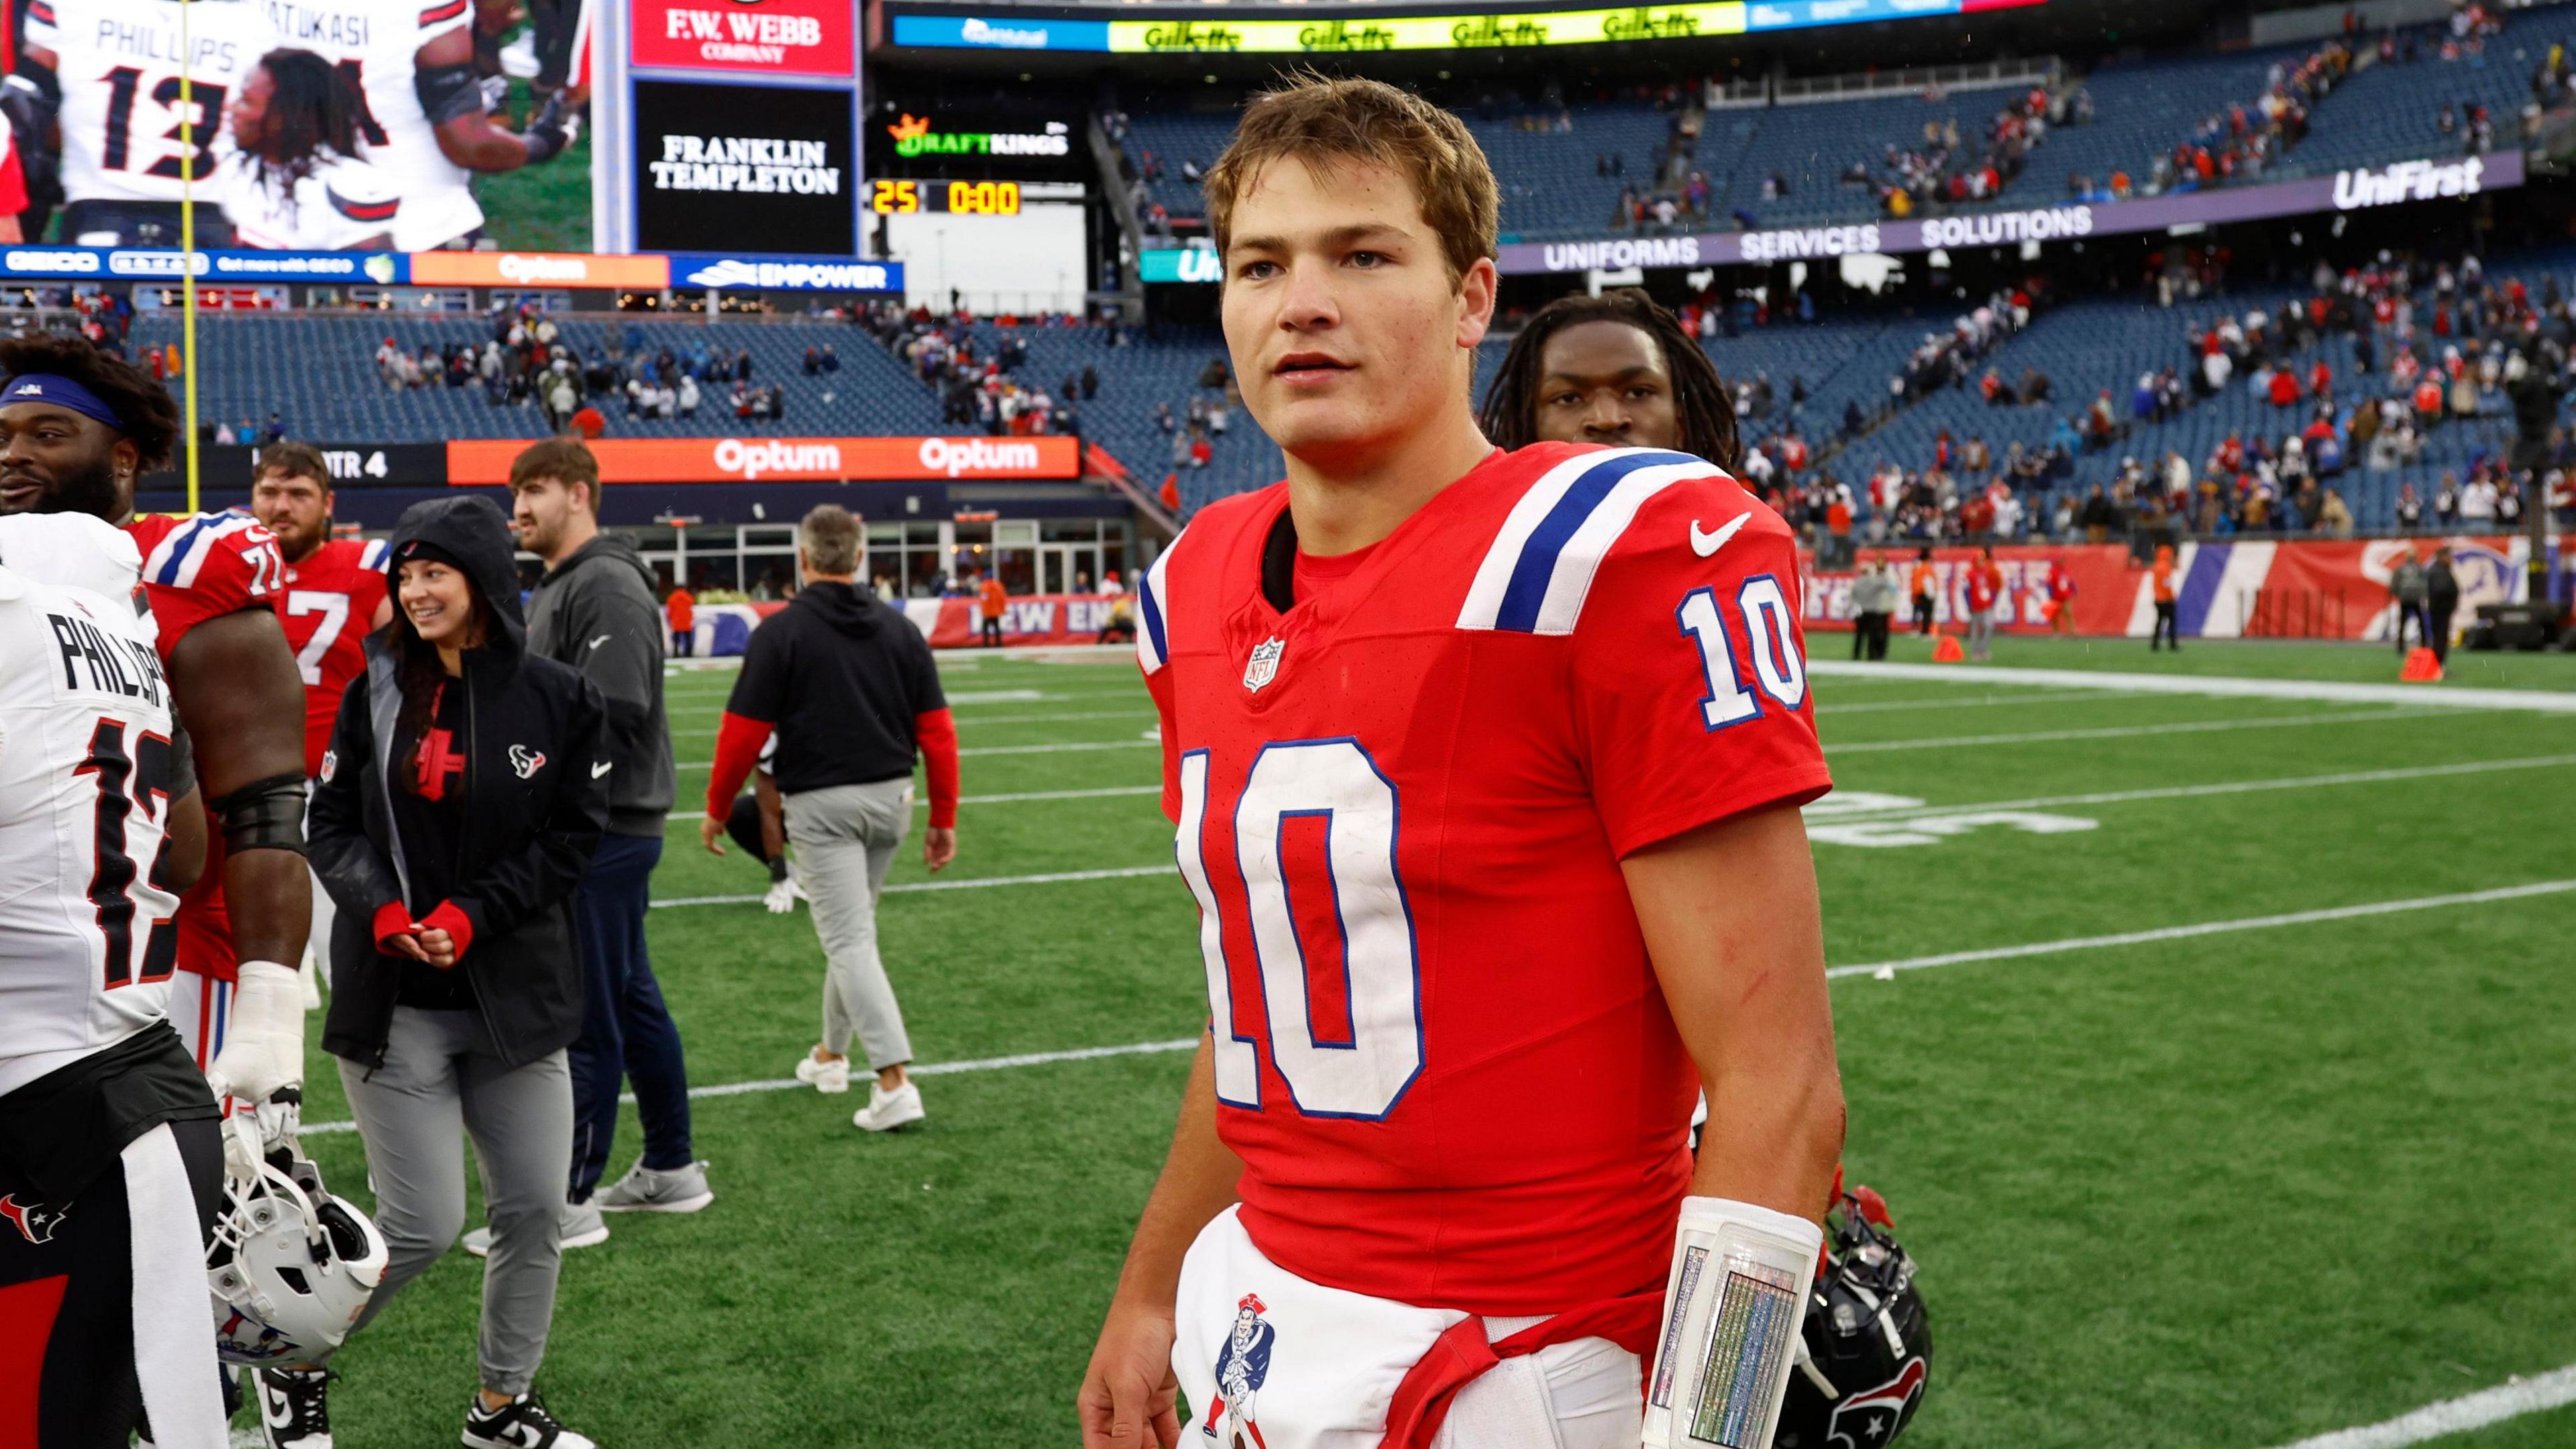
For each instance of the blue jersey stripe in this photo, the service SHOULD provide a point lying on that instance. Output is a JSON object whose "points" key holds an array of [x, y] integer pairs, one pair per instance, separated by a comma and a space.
{"points": [[1527, 591], [178, 545], [1154, 620]]}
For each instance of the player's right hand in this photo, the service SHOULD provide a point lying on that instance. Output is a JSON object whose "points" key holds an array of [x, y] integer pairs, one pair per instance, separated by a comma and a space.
{"points": [[1129, 1396], [552, 129]]}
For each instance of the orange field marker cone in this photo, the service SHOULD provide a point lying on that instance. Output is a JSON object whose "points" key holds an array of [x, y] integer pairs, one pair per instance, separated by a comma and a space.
{"points": [[1946, 650], [2421, 667]]}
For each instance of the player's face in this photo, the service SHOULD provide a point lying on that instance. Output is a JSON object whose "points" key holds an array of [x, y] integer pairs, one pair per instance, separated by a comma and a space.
{"points": [[250, 109], [1606, 383], [1346, 330], [439, 602], [538, 511], [297, 510], [53, 460]]}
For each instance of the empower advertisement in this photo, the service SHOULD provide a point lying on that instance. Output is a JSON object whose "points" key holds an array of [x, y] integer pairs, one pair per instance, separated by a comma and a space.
{"points": [[486, 462], [145, 122], [1453, 30], [716, 164], [2354, 189]]}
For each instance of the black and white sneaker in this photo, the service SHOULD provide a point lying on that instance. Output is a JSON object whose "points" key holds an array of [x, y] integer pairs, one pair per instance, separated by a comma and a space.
{"points": [[522, 1423], [294, 1408]]}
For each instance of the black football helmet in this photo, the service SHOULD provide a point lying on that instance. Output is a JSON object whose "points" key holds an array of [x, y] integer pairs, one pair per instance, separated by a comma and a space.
{"points": [[1865, 1352]]}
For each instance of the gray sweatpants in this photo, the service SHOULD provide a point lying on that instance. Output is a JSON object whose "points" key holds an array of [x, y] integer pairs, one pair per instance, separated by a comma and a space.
{"points": [[845, 839], [435, 1083], [1981, 633]]}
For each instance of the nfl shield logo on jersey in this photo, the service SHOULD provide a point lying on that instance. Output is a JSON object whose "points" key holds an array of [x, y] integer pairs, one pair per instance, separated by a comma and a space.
{"points": [[1265, 663]]}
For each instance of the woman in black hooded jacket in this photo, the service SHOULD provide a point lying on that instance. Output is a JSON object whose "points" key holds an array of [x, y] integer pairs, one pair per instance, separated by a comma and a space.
{"points": [[464, 790]]}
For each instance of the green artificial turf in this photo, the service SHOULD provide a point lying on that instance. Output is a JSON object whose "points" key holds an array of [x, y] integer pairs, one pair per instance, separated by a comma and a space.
{"points": [[2229, 1190]]}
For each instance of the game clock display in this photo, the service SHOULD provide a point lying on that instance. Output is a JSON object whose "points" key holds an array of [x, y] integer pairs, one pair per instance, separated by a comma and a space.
{"points": [[890, 197]]}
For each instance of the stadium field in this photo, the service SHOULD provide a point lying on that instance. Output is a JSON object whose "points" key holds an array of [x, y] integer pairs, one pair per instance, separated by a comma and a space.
{"points": [[2204, 1048]]}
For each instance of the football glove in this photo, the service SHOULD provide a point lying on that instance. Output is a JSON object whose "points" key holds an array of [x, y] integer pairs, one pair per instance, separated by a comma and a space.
{"points": [[264, 1045], [781, 899], [554, 129]]}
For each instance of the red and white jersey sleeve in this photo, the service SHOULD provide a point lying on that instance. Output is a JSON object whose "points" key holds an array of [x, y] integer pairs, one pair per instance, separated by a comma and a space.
{"points": [[205, 567], [330, 601], [1689, 671]]}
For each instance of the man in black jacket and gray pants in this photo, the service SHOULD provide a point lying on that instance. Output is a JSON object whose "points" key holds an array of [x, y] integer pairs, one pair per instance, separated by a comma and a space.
{"points": [[595, 611], [848, 687]]}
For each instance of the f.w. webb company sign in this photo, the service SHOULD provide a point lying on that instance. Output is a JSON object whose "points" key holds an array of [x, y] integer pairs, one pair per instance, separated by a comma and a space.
{"points": [[2352, 190]]}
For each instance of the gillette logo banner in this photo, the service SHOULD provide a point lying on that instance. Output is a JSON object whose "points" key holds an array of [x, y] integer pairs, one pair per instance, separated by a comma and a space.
{"points": [[2409, 181], [784, 274]]}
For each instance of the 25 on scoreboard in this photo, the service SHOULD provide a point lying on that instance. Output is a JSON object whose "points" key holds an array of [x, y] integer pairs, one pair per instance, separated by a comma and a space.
{"points": [[888, 196]]}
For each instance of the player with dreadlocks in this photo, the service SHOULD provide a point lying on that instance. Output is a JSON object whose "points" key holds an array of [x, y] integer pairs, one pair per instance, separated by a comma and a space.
{"points": [[78, 431], [298, 183], [1617, 370]]}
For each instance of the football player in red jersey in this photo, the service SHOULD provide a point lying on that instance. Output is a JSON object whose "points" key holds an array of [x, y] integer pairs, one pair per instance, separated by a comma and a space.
{"points": [[78, 430], [335, 597], [1485, 768]]}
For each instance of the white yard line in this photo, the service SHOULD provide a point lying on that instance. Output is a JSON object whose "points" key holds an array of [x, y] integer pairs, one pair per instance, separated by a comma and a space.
{"points": [[970, 883], [2190, 792], [923, 1069], [2226, 686], [2206, 928], [1057, 748], [1145, 711], [1983, 701], [2505, 1401], [2118, 732]]}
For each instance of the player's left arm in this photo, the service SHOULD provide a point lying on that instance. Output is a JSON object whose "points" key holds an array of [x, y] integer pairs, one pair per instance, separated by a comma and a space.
{"points": [[1730, 919], [452, 97], [238, 691]]}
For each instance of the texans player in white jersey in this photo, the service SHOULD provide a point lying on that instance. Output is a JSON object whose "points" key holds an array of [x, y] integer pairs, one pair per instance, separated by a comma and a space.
{"points": [[130, 144], [77, 429], [111, 1156], [294, 181], [422, 122]]}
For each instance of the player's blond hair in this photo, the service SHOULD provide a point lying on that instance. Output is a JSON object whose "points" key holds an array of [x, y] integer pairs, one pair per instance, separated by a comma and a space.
{"points": [[1319, 121]]}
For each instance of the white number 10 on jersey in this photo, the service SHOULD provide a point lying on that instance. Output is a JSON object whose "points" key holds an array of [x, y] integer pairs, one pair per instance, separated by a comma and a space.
{"points": [[1335, 780]]}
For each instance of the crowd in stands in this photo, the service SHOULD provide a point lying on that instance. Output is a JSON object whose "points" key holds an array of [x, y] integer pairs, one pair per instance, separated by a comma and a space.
{"points": [[981, 383], [2241, 142], [1945, 170], [526, 361], [2360, 371]]}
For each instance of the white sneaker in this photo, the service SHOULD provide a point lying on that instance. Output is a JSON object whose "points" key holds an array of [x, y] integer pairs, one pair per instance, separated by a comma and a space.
{"points": [[583, 1227], [781, 899], [645, 1190], [823, 1076], [522, 1423], [886, 1110]]}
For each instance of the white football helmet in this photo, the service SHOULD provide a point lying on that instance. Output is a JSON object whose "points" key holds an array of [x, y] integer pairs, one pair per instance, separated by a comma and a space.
{"points": [[291, 1268]]}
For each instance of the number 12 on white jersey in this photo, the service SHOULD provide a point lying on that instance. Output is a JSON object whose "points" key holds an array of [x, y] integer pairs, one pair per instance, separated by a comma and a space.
{"points": [[1335, 780]]}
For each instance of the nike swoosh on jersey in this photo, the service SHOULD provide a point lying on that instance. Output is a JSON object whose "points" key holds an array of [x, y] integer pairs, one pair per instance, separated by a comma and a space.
{"points": [[602, 639], [1705, 544], [602, 768]]}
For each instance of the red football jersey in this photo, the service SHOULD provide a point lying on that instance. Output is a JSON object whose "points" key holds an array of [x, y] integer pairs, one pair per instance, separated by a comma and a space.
{"points": [[331, 598], [199, 568], [1401, 805]]}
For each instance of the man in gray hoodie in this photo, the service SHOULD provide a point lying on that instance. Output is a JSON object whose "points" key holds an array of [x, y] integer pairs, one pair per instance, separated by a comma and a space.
{"points": [[2407, 586], [595, 611]]}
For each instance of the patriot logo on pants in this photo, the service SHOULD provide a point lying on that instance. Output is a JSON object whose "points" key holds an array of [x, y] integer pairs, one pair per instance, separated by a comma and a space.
{"points": [[1242, 1366]]}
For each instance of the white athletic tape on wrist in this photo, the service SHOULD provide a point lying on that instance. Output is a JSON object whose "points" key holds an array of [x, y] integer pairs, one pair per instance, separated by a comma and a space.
{"points": [[1732, 1310], [264, 1042]]}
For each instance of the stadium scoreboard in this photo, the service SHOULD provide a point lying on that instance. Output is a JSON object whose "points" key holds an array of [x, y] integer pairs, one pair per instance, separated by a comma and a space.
{"points": [[891, 196]]}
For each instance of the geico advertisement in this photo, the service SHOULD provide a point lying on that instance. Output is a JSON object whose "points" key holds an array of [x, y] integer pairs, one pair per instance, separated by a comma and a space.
{"points": [[787, 460]]}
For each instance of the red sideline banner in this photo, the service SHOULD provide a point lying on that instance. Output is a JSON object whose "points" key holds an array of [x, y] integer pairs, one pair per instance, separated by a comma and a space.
{"points": [[486, 461], [1026, 619], [2225, 589]]}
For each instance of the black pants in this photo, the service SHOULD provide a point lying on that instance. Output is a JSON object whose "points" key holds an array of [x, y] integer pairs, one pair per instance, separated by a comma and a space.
{"points": [[67, 1301], [1922, 613], [2168, 628], [1869, 635], [684, 642], [557, 24], [2441, 632], [2416, 614], [626, 1030], [993, 631]]}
